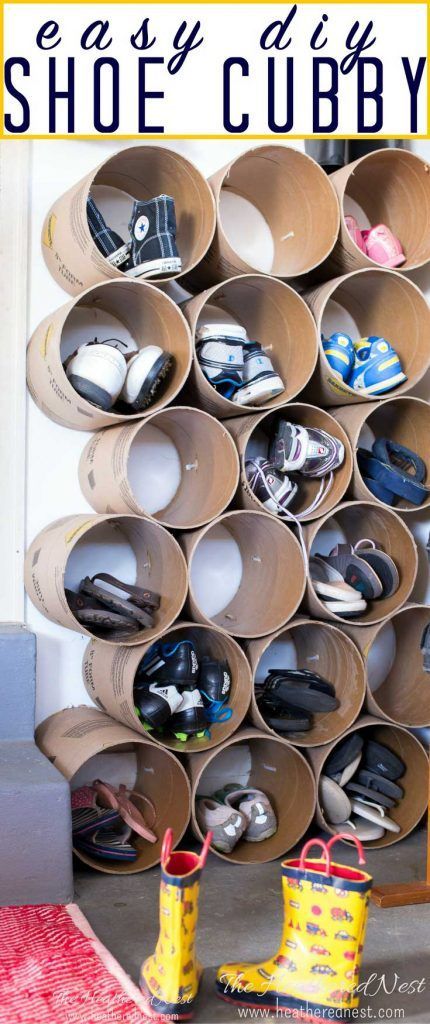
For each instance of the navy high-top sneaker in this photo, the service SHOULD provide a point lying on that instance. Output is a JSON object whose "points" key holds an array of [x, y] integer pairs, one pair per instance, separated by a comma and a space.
{"points": [[153, 238], [108, 242]]}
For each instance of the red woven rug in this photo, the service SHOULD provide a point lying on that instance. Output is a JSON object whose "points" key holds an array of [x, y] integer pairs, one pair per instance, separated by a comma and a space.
{"points": [[53, 970]]}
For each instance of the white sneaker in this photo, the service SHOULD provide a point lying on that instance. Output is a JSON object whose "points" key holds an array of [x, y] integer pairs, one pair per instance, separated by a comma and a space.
{"points": [[260, 380], [145, 373], [97, 371], [219, 349]]}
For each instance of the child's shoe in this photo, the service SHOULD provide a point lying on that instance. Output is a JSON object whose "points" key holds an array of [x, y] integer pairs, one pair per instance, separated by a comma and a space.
{"points": [[339, 352], [354, 231], [377, 368], [383, 247]]}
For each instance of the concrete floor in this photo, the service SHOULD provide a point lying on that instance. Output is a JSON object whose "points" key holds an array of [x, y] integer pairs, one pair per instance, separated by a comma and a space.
{"points": [[240, 918]]}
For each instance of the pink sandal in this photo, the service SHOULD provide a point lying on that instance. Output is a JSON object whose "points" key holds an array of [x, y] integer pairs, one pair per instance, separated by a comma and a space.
{"points": [[118, 800]]}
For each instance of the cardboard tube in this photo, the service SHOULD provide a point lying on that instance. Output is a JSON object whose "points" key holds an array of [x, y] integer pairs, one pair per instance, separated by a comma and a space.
{"points": [[392, 187], [321, 648], [142, 172], [280, 771], [160, 566], [109, 676], [151, 317], [358, 520], [383, 303], [297, 201], [404, 695], [413, 804], [247, 428], [275, 316], [272, 572], [71, 737], [114, 462], [403, 420]]}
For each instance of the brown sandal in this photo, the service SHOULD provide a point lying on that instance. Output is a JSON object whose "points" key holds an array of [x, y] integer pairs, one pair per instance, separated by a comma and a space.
{"points": [[137, 608]]}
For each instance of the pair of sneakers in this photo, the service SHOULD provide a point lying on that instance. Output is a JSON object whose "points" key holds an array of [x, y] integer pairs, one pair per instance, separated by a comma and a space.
{"points": [[294, 449], [370, 365], [239, 369], [378, 243], [152, 250], [110, 371], [177, 690], [236, 812], [360, 786]]}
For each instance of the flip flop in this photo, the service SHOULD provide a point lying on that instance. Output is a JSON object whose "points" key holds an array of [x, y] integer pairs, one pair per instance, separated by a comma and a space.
{"points": [[355, 571], [363, 830], [90, 612], [328, 582], [346, 610], [379, 758], [336, 803], [380, 784], [302, 694], [108, 844], [375, 813], [363, 792], [307, 676], [119, 800], [382, 564], [287, 720], [343, 756], [136, 609]]}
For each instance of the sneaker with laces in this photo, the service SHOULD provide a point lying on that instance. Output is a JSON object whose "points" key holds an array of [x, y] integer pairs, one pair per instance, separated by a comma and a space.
{"points": [[383, 247], [309, 450], [261, 382], [108, 242], [339, 352], [274, 489], [97, 371], [147, 373], [190, 717], [261, 821], [226, 823], [157, 703], [175, 663], [215, 686], [377, 367], [152, 230], [219, 349]]}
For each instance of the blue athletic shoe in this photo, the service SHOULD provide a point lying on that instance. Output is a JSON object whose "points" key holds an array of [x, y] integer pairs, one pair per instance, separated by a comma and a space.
{"points": [[377, 367], [339, 352]]}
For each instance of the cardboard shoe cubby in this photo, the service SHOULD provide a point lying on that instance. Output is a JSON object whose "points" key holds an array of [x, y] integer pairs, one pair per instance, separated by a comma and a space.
{"points": [[365, 303], [75, 736], [179, 466], [252, 434], [389, 186], [109, 676], [139, 172], [398, 688], [414, 782], [275, 316], [353, 521], [318, 647], [253, 759], [246, 573], [405, 421], [114, 309], [133, 549], [292, 195]]}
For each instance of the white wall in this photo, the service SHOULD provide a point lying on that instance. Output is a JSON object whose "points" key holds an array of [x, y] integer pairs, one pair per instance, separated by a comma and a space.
{"points": [[53, 451]]}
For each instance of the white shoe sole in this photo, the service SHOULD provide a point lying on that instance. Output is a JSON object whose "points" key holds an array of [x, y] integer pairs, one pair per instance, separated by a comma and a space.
{"points": [[155, 268], [261, 391], [340, 592], [346, 607], [116, 259], [386, 385]]}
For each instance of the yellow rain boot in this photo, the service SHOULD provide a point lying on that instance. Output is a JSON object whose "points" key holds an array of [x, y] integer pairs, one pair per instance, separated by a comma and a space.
{"points": [[170, 978], [316, 969]]}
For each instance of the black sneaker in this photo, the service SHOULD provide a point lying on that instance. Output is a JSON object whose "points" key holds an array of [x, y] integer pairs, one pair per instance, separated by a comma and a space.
{"points": [[108, 242], [190, 718], [214, 686], [153, 238], [175, 663], [157, 703]]}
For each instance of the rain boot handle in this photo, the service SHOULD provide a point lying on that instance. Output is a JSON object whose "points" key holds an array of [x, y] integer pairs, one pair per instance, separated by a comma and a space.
{"points": [[166, 848], [349, 836], [325, 849], [205, 849]]}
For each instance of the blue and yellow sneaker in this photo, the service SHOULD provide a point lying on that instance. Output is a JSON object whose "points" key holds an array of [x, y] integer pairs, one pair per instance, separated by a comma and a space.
{"points": [[377, 367], [339, 352]]}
